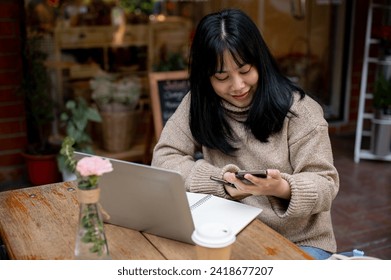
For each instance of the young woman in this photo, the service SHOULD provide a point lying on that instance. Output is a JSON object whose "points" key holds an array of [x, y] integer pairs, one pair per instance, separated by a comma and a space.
{"points": [[242, 114]]}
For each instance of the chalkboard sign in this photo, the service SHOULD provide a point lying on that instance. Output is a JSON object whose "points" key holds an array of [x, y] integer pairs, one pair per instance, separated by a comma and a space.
{"points": [[167, 91]]}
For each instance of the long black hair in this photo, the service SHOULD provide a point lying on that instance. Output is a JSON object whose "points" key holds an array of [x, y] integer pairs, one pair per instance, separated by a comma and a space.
{"points": [[232, 30]]}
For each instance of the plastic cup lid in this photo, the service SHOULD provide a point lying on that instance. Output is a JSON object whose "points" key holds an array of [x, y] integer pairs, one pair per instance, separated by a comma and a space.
{"points": [[213, 235]]}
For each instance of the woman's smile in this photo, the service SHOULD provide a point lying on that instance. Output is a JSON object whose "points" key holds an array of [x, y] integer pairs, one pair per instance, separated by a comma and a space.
{"points": [[241, 96], [235, 83]]}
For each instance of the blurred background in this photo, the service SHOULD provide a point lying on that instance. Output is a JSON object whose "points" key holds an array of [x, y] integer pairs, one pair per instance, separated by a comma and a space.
{"points": [[80, 68]]}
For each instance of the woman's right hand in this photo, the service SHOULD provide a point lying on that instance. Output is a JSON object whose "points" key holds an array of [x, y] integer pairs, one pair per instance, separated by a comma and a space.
{"points": [[272, 185]]}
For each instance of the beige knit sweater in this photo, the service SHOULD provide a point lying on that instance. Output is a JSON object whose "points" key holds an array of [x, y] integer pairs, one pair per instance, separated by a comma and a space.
{"points": [[301, 151]]}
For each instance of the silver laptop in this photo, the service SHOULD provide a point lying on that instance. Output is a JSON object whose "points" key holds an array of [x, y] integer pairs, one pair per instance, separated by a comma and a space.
{"points": [[146, 199], [155, 201]]}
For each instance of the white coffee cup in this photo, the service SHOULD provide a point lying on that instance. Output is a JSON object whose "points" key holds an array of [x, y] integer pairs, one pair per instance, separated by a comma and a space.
{"points": [[213, 241]]}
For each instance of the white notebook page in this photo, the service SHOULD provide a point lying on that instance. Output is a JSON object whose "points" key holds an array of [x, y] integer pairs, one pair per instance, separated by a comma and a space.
{"points": [[208, 208]]}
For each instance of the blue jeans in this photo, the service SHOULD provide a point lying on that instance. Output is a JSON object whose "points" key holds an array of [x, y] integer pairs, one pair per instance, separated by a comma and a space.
{"points": [[320, 254], [316, 253]]}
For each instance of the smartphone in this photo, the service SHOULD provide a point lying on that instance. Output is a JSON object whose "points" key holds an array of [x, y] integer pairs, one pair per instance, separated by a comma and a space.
{"points": [[258, 173]]}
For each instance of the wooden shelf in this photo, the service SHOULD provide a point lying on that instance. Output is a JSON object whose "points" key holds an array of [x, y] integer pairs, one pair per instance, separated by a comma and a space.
{"points": [[365, 111], [173, 34], [135, 153]]}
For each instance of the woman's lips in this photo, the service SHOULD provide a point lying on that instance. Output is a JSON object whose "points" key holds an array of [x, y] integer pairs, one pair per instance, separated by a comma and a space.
{"points": [[240, 96]]}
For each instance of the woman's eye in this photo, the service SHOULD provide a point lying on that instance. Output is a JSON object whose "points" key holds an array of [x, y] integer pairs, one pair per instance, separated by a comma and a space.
{"points": [[245, 69], [220, 77]]}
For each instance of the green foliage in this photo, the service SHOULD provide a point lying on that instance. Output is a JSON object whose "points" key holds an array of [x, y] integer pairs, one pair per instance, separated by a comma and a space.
{"points": [[173, 62], [76, 118], [93, 229], [88, 183], [135, 6], [65, 159], [382, 93]]}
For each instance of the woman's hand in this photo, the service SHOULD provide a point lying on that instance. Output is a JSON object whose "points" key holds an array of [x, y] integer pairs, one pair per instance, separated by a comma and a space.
{"points": [[273, 185]]}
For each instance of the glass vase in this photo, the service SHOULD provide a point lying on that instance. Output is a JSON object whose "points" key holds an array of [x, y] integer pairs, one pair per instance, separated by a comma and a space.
{"points": [[91, 243]]}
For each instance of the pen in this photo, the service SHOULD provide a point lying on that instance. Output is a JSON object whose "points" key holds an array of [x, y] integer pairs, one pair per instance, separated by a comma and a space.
{"points": [[222, 181]]}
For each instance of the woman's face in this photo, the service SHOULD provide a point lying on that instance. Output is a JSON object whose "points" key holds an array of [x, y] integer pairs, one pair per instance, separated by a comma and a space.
{"points": [[235, 83]]}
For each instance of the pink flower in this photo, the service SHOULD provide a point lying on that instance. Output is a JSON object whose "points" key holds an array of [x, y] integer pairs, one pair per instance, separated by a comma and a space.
{"points": [[89, 166]]}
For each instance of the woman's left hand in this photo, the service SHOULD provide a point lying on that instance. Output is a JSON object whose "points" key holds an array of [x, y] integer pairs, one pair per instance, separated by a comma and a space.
{"points": [[273, 185]]}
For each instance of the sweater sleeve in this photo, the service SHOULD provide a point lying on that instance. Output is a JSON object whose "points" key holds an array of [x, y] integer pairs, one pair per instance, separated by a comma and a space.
{"points": [[314, 181]]}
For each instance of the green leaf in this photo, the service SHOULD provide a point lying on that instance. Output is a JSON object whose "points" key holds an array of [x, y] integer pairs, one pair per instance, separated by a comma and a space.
{"points": [[93, 115]]}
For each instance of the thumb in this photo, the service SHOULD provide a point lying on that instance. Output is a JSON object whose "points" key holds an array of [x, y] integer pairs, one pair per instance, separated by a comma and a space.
{"points": [[274, 173]]}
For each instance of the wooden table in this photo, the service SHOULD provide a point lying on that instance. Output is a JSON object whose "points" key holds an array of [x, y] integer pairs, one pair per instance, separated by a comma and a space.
{"points": [[40, 223]]}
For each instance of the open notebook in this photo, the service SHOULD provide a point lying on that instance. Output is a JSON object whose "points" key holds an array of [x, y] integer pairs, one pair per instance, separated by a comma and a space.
{"points": [[208, 208], [154, 200]]}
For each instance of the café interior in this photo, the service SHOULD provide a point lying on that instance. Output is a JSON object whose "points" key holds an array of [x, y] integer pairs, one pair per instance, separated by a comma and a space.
{"points": [[81, 51]]}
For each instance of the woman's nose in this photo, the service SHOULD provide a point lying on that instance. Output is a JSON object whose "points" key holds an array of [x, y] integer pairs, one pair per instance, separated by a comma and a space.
{"points": [[237, 83]]}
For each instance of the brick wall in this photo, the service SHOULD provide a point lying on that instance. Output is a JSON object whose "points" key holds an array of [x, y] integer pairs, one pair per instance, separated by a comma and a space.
{"points": [[13, 137]]}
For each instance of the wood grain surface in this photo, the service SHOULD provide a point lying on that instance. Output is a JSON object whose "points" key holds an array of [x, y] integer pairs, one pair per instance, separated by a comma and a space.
{"points": [[41, 222]]}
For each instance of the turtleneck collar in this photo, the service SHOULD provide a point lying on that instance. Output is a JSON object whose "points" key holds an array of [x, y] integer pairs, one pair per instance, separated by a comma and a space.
{"points": [[237, 113]]}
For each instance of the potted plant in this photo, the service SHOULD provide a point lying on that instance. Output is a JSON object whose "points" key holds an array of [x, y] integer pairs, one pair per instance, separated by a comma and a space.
{"points": [[117, 98], [381, 123], [75, 119], [40, 154], [382, 96]]}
